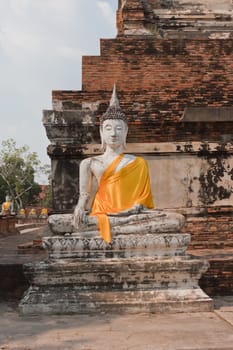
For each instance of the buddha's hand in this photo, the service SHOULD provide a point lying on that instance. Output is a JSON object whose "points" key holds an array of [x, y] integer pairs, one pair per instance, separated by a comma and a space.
{"points": [[79, 217]]}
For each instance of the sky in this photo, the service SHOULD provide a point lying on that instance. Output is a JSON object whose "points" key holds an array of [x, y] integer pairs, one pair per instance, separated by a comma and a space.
{"points": [[41, 47]]}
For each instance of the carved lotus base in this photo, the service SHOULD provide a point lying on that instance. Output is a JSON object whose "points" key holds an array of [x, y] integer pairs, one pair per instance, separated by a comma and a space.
{"points": [[121, 247]]}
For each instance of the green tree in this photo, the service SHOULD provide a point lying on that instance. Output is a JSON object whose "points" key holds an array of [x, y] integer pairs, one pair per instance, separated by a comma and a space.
{"points": [[18, 168], [3, 190]]}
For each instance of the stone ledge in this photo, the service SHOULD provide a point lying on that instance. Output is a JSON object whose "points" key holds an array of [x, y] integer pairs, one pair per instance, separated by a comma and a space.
{"points": [[159, 148]]}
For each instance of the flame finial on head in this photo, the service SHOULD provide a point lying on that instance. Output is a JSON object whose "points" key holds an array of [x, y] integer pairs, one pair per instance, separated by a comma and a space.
{"points": [[114, 110], [114, 102]]}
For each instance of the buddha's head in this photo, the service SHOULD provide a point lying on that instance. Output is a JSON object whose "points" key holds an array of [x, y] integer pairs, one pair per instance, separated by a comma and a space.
{"points": [[113, 124], [8, 198]]}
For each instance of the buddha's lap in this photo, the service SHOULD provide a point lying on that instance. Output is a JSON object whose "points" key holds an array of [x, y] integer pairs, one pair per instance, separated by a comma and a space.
{"points": [[155, 220]]}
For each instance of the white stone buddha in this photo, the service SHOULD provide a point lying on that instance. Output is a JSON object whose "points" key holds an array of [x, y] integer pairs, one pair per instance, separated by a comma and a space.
{"points": [[123, 201]]}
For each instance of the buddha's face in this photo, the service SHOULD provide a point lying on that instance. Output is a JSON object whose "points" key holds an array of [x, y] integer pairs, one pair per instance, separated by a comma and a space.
{"points": [[113, 132]]}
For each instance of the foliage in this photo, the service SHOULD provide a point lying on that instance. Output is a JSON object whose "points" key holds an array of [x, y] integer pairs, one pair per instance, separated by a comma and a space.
{"points": [[18, 168], [3, 190]]}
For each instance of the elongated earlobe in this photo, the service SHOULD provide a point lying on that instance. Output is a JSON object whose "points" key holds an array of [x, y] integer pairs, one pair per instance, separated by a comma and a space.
{"points": [[124, 144], [125, 137], [103, 145]]}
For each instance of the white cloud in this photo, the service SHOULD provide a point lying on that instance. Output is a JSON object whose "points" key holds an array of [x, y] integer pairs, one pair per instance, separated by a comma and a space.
{"points": [[17, 45], [19, 7], [70, 52], [107, 11], [41, 46]]}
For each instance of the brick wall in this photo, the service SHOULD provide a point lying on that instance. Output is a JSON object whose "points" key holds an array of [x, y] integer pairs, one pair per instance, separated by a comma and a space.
{"points": [[212, 229], [212, 238], [156, 81], [218, 280]]}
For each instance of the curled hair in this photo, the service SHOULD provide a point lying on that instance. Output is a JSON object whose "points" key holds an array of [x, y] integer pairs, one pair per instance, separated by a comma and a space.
{"points": [[113, 112]]}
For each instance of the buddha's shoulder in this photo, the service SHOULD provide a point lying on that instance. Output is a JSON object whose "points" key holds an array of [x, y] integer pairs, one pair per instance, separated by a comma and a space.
{"points": [[138, 158], [100, 159], [89, 161], [86, 162], [130, 157], [141, 162]]}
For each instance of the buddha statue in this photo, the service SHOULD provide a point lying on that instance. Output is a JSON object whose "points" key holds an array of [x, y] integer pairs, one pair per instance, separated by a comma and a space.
{"points": [[7, 207], [123, 201]]}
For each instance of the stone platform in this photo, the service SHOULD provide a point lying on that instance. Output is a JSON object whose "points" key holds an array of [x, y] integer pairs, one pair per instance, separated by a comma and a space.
{"points": [[132, 286], [134, 273], [8, 225]]}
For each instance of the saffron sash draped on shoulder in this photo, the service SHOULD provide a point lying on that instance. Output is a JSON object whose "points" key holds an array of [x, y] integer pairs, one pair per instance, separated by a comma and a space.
{"points": [[121, 190]]}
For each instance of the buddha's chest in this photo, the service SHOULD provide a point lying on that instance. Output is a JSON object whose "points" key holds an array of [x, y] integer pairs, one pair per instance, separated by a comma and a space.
{"points": [[100, 164]]}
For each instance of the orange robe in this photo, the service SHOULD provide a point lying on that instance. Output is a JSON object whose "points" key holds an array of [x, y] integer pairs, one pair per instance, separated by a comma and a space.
{"points": [[6, 207], [121, 190]]}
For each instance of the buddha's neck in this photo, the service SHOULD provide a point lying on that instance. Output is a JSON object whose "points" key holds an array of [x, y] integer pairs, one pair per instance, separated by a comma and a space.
{"points": [[111, 151]]}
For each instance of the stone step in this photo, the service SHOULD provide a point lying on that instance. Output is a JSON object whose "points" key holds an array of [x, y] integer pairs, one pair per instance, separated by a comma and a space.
{"points": [[49, 301], [27, 226]]}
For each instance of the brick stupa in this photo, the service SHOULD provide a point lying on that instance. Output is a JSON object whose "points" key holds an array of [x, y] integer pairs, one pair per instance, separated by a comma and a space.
{"points": [[172, 62]]}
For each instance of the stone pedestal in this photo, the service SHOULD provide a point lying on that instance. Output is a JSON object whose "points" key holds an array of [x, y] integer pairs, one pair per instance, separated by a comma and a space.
{"points": [[7, 225], [135, 273]]}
